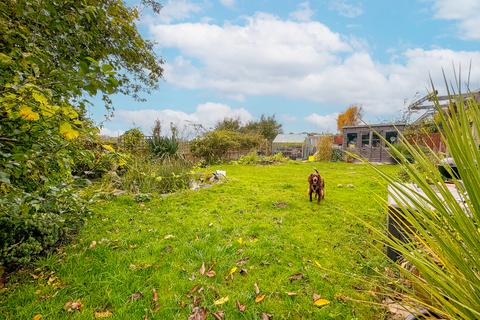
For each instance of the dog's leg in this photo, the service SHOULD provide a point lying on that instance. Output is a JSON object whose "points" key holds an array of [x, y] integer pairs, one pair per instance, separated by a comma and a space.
{"points": [[319, 196], [310, 194]]}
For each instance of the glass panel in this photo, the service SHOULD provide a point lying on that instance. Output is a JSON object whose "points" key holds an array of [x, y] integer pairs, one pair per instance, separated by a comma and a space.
{"points": [[376, 140], [391, 136], [366, 139], [351, 139]]}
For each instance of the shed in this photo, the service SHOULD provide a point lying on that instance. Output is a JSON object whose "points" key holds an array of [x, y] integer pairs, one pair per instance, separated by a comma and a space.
{"points": [[366, 141], [292, 145]]}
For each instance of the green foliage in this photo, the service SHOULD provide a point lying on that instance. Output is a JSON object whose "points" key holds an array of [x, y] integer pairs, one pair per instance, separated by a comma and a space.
{"points": [[337, 155], [132, 140], [252, 158], [163, 147], [214, 145], [149, 175], [267, 126], [54, 54], [32, 223], [444, 244]]}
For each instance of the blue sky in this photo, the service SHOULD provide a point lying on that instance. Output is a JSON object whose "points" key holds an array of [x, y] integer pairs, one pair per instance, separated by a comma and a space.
{"points": [[303, 61]]}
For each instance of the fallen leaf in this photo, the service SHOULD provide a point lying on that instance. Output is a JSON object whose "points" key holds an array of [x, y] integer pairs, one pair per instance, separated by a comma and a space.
{"points": [[202, 269], [257, 289], [211, 273], [296, 276], [242, 261], [37, 317], [259, 298], [219, 315], [196, 301], [243, 272], [317, 263], [198, 314], [192, 277], [93, 245], [240, 240], [135, 296], [194, 289], [169, 236], [241, 307], [220, 301], [103, 314], [71, 306], [321, 302], [232, 271], [291, 294], [315, 297], [266, 316], [155, 295]]}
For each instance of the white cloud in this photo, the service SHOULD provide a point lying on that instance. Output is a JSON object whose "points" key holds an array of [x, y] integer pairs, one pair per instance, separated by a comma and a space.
{"points": [[228, 3], [306, 60], [177, 10], [206, 114], [111, 133], [346, 9], [288, 118], [303, 13], [324, 123], [465, 12]]}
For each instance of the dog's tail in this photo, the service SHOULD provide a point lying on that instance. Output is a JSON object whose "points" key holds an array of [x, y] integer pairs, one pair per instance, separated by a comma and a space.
{"points": [[316, 171]]}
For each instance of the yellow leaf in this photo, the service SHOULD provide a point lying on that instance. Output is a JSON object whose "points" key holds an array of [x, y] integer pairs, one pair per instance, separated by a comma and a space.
{"points": [[37, 317], [317, 263], [232, 271], [103, 314], [240, 240], [67, 131], [220, 301], [108, 147], [321, 302], [39, 98], [28, 114], [259, 298]]}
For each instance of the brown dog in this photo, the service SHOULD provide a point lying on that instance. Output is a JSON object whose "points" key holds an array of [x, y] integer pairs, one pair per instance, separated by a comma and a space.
{"points": [[316, 186]]}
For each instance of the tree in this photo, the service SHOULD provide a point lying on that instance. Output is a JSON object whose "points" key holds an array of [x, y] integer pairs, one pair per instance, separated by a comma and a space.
{"points": [[230, 124], [349, 117], [267, 126], [53, 55]]}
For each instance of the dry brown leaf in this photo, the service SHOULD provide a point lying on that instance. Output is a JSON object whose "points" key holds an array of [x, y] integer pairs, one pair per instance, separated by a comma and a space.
{"points": [[243, 272], [135, 296], [103, 314], [242, 261], [155, 295], [241, 307], [259, 298], [296, 276], [198, 314], [315, 297], [266, 316], [202, 269], [194, 289], [71, 306], [291, 293], [257, 289], [93, 245], [219, 315], [211, 273]]}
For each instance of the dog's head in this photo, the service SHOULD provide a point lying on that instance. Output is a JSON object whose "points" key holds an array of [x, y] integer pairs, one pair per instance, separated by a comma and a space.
{"points": [[315, 179]]}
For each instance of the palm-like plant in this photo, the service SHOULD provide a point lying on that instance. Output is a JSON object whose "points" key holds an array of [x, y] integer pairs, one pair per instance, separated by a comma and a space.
{"points": [[444, 246]]}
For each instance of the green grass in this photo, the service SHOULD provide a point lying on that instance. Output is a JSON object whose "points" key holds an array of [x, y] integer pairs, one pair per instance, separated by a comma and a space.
{"points": [[266, 206]]}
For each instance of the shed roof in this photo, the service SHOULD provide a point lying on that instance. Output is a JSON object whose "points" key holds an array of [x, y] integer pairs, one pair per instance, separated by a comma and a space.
{"points": [[376, 125], [290, 138]]}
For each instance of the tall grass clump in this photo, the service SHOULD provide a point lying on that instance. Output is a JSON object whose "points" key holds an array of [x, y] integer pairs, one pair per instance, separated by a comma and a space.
{"points": [[324, 148], [441, 268]]}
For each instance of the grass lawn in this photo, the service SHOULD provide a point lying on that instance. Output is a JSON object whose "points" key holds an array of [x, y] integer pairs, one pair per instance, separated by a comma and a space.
{"points": [[261, 217]]}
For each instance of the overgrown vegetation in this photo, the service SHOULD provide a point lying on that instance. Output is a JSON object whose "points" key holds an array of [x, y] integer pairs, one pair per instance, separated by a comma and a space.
{"points": [[254, 158], [46, 71], [324, 148]]}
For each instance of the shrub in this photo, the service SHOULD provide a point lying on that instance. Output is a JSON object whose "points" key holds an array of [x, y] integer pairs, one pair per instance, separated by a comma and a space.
{"points": [[338, 155], [253, 158], [214, 145], [324, 148], [163, 147], [132, 140]]}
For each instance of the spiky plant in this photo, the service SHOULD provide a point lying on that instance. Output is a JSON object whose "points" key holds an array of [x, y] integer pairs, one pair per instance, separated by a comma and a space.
{"points": [[444, 248]]}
